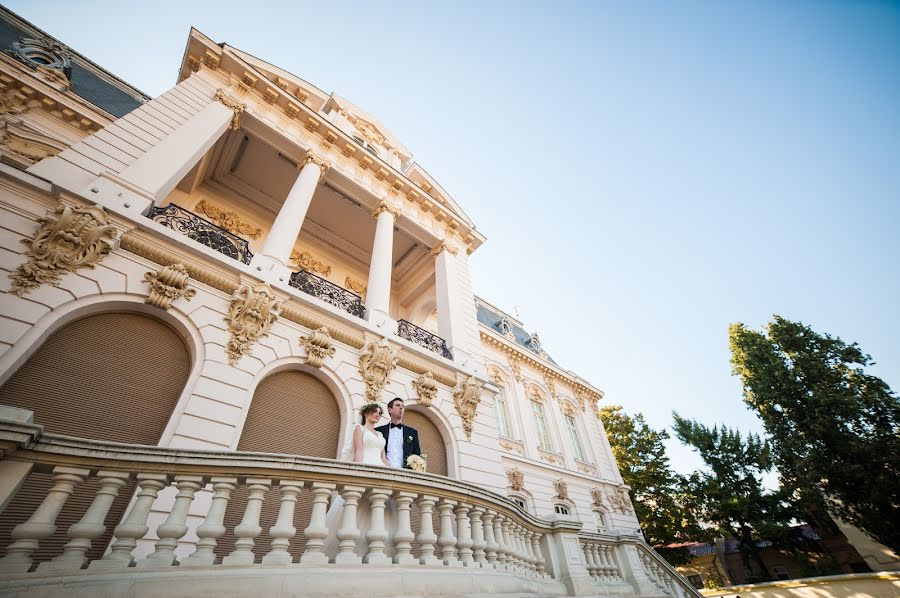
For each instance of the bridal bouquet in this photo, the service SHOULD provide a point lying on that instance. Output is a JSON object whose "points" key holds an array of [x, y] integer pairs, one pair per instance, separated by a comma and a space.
{"points": [[417, 462]]}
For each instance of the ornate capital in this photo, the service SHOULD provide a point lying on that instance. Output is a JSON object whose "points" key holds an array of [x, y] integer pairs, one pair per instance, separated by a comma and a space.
{"points": [[229, 102], [384, 206], [467, 397], [376, 362], [443, 246], [516, 479], [319, 345], [168, 284], [312, 158], [250, 316], [562, 490], [69, 239], [425, 388]]}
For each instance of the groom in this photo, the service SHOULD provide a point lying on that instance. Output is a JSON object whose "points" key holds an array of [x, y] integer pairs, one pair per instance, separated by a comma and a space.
{"points": [[402, 441]]}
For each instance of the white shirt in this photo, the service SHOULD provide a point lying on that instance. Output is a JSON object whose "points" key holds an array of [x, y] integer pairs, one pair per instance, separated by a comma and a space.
{"points": [[395, 447]]}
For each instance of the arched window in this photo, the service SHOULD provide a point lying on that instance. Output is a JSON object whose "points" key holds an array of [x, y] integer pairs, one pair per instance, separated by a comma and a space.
{"points": [[519, 501], [600, 519], [561, 509]]}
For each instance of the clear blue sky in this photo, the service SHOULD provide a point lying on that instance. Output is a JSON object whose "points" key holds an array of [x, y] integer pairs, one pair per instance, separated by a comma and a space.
{"points": [[646, 173]]}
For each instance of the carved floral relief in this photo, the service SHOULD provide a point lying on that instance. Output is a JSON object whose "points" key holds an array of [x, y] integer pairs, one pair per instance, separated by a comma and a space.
{"points": [[562, 489], [227, 219], [467, 397], [318, 345], [426, 388], [376, 362], [305, 260], [167, 284], [515, 478]]}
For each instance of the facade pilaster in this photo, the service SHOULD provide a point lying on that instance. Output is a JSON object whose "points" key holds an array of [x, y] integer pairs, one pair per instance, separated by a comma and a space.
{"points": [[378, 295], [451, 322]]}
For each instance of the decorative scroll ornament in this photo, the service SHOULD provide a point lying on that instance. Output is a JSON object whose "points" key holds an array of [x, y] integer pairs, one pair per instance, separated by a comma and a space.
{"points": [[319, 345], [305, 260], [581, 398], [467, 397], [597, 497], [534, 393], [168, 284], [71, 238], [311, 158], [376, 362], [497, 375], [250, 316], [356, 286], [618, 498], [384, 206], [236, 107], [562, 489], [551, 387], [425, 388], [443, 246], [567, 408], [516, 479], [516, 369], [227, 219]]}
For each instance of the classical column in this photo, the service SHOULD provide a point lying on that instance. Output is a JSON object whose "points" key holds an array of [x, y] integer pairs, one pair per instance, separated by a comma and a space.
{"points": [[377, 534], [213, 526], [248, 529], [276, 250], [175, 524], [378, 294], [451, 325], [426, 537], [90, 526], [317, 531], [283, 530], [151, 177], [404, 534], [42, 523]]}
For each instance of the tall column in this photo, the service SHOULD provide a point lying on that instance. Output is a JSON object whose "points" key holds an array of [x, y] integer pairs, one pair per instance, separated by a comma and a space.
{"points": [[152, 176], [378, 294], [276, 251], [450, 317]]}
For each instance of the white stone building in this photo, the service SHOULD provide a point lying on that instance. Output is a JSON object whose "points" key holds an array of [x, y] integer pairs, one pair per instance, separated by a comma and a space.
{"points": [[201, 288]]}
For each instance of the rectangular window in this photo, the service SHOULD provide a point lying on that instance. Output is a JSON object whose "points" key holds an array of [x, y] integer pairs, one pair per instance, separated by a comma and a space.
{"points": [[576, 440], [541, 423], [503, 428]]}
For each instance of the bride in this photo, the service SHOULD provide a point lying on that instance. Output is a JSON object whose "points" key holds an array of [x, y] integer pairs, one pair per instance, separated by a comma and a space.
{"points": [[367, 448]]}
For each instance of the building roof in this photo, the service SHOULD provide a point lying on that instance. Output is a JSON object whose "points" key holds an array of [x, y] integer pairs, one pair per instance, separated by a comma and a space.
{"points": [[494, 318]]}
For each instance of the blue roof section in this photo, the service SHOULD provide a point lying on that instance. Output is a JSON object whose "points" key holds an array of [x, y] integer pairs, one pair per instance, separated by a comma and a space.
{"points": [[491, 319]]}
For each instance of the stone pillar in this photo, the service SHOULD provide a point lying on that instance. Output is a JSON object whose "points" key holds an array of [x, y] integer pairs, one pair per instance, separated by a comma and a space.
{"points": [[276, 251], [567, 562], [317, 531], [175, 525], [451, 325], [378, 293], [283, 530], [213, 526], [151, 177]]}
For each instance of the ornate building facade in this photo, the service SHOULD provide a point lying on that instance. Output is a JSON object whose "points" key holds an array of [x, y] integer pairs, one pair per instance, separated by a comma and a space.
{"points": [[199, 291]]}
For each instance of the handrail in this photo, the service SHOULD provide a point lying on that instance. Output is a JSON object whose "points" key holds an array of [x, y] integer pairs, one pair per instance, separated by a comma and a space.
{"points": [[203, 231], [328, 292], [422, 337]]}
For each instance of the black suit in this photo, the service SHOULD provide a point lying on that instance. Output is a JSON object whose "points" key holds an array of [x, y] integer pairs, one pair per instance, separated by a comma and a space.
{"points": [[410, 440]]}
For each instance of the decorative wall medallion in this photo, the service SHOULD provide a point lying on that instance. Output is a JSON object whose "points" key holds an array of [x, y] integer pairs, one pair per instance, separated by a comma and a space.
{"points": [[318, 346], [227, 219], [597, 497], [562, 490], [356, 286], [584, 467], [69, 239], [250, 316], [426, 388], [376, 362], [466, 398], [305, 260], [516, 479], [236, 107], [168, 284], [567, 408]]}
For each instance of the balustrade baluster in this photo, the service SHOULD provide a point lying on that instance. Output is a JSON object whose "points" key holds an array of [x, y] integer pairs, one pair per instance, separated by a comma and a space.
{"points": [[447, 541], [490, 548], [248, 529], [90, 526], [134, 527], [377, 534], [529, 551], [589, 563], [517, 543], [212, 528], [283, 530], [539, 561], [464, 534], [523, 549], [602, 565], [42, 523], [427, 537], [613, 567], [512, 563], [502, 554], [404, 534], [317, 531], [349, 530], [174, 526], [478, 541]]}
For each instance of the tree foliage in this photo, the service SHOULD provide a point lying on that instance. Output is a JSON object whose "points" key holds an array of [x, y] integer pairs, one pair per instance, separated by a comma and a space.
{"points": [[834, 430], [730, 490], [661, 504]]}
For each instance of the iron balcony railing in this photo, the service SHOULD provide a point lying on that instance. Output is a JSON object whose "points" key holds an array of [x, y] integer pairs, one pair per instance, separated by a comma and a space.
{"points": [[422, 337], [329, 292], [203, 231]]}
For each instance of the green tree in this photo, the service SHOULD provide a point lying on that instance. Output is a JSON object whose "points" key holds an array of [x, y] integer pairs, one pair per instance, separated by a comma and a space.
{"points": [[834, 430], [661, 503], [730, 490]]}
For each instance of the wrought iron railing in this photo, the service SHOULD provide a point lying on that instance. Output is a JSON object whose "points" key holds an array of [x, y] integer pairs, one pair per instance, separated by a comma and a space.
{"points": [[422, 337], [203, 231], [329, 292]]}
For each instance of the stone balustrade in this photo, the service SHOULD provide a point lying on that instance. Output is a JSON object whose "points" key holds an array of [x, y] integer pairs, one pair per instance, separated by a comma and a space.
{"points": [[482, 543]]}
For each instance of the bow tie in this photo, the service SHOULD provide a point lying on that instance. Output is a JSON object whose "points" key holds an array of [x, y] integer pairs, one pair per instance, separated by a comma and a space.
{"points": [[395, 425]]}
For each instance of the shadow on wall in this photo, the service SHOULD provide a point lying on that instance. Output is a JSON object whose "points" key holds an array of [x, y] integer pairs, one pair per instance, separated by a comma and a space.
{"points": [[858, 585]]}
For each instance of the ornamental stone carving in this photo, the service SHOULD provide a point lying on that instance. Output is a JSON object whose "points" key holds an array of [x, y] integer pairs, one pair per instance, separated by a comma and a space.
{"points": [[312, 158], [376, 362], [618, 498], [356, 286], [597, 497], [516, 479], [426, 388], [227, 219], [305, 260], [318, 345], [534, 393], [562, 489], [384, 206], [466, 398], [69, 239], [516, 369], [236, 107], [567, 408], [443, 246], [497, 375], [551, 387], [168, 284], [250, 316]]}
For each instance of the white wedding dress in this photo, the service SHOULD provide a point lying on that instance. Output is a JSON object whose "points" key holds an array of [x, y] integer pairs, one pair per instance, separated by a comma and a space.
{"points": [[373, 446]]}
